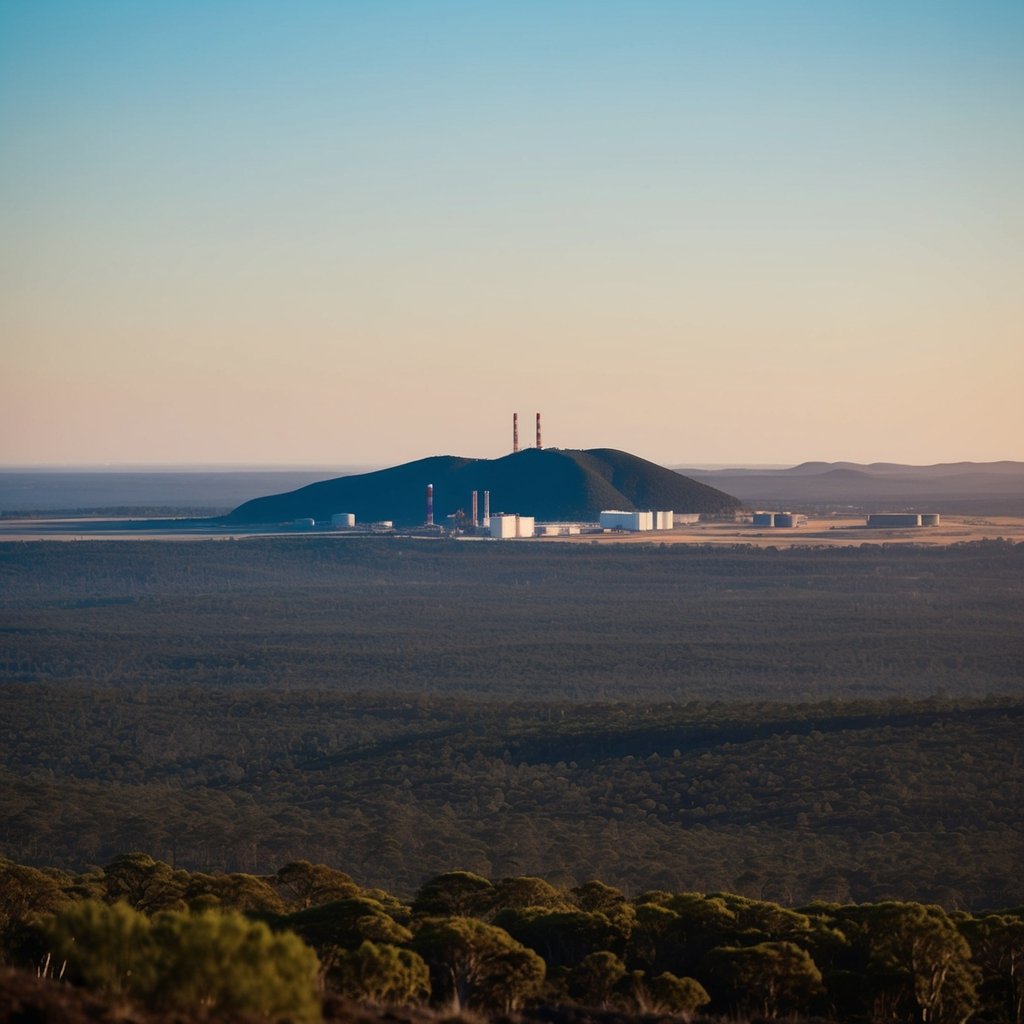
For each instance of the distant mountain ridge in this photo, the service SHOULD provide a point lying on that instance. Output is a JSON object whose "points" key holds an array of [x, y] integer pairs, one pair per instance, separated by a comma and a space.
{"points": [[995, 487], [550, 484], [1002, 468]]}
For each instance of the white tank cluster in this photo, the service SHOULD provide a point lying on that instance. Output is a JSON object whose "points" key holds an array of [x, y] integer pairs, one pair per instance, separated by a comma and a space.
{"points": [[636, 522], [506, 526]]}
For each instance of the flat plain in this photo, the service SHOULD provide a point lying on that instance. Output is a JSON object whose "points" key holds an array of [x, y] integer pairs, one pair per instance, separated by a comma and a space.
{"points": [[820, 531], [831, 531]]}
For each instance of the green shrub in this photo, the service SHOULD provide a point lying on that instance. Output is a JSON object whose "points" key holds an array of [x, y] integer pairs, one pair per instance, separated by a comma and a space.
{"points": [[220, 962]]}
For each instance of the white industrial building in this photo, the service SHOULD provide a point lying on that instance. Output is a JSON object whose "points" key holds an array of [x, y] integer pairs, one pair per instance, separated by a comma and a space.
{"points": [[506, 526], [636, 521], [558, 529]]}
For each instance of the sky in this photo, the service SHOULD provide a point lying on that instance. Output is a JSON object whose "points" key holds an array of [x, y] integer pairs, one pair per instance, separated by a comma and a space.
{"points": [[368, 231]]}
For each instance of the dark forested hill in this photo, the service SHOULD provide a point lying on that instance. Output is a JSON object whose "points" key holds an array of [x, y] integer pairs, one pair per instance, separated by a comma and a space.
{"points": [[546, 483]]}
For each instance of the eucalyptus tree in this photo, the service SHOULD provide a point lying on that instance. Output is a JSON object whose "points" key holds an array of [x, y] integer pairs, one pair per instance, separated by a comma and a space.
{"points": [[477, 966], [381, 974]]}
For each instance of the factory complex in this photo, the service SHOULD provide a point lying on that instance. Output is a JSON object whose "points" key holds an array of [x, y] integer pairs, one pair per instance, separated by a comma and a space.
{"points": [[480, 522], [513, 525], [517, 526], [691, 527], [534, 488]]}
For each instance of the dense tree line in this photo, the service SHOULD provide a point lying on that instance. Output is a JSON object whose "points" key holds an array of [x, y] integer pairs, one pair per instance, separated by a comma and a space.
{"points": [[274, 944], [846, 800], [517, 621], [789, 725]]}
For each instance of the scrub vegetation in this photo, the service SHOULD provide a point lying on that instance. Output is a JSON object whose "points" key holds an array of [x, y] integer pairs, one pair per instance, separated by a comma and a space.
{"points": [[296, 944], [827, 742], [790, 725]]}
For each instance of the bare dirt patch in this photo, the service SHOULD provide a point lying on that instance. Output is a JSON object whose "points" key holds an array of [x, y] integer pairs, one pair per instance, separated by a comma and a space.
{"points": [[828, 531]]}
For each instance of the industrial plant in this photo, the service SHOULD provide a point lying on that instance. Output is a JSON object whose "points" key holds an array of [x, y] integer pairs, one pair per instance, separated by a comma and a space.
{"points": [[544, 493], [553, 491], [539, 492]]}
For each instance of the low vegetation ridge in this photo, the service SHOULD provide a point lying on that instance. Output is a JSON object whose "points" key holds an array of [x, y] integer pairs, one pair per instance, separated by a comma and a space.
{"points": [[550, 484], [306, 942]]}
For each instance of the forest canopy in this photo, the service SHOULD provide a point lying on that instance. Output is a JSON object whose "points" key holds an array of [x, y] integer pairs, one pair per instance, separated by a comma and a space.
{"points": [[789, 725]]}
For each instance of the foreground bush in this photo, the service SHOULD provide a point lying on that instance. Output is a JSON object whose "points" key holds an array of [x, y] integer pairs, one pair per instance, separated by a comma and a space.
{"points": [[218, 962]]}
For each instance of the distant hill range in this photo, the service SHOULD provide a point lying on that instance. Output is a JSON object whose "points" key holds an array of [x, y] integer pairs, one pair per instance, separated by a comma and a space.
{"points": [[969, 487], [551, 484]]}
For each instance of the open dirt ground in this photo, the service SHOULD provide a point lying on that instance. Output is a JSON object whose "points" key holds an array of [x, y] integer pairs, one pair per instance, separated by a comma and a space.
{"points": [[831, 531]]}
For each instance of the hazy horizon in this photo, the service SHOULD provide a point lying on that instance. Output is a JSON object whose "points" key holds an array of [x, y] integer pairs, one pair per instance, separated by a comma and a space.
{"points": [[313, 467], [261, 235]]}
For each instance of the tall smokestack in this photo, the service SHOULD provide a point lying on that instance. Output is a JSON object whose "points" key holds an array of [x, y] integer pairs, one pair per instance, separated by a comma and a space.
{"points": [[515, 432], [538, 430], [430, 504], [487, 508], [475, 522]]}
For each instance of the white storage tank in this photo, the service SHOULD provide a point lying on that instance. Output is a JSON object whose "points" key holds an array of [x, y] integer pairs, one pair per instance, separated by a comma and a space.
{"points": [[663, 520], [306, 523], [503, 526], [930, 518], [343, 519], [506, 525]]}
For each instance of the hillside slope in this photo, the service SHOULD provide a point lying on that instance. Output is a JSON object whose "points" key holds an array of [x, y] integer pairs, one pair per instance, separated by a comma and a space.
{"points": [[551, 484]]}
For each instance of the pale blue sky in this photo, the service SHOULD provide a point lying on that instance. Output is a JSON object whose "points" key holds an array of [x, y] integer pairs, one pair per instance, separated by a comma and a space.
{"points": [[368, 232]]}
